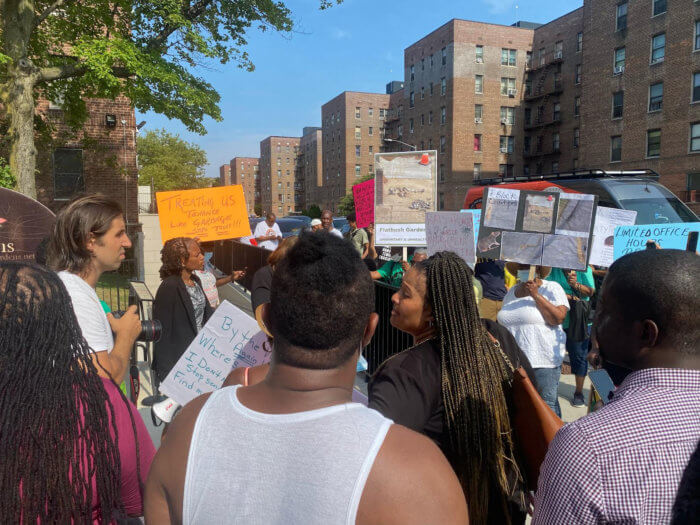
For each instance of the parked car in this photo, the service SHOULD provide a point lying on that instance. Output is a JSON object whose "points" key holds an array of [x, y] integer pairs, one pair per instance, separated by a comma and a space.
{"points": [[290, 226], [341, 223]]}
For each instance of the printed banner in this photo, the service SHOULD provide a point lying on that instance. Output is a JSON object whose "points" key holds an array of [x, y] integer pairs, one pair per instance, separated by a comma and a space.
{"points": [[630, 239], [211, 214], [451, 231], [230, 339], [363, 194], [24, 223], [606, 220]]}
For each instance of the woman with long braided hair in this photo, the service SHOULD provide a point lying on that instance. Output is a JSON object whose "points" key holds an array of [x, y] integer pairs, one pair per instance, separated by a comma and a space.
{"points": [[453, 385], [73, 448]]}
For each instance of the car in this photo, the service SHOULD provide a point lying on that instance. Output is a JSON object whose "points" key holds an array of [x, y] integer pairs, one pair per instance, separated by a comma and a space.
{"points": [[304, 218], [290, 226], [341, 224]]}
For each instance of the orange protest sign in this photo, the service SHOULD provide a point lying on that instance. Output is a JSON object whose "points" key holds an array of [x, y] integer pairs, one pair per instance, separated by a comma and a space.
{"points": [[208, 213]]}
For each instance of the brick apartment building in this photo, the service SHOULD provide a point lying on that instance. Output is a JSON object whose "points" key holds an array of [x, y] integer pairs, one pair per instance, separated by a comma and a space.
{"points": [[99, 158], [352, 134], [225, 174], [309, 180], [278, 168], [244, 171], [640, 104]]}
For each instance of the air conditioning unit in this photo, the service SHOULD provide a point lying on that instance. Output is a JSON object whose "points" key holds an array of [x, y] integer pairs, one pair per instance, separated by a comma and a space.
{"points": [[479, 60], [504, 121], [511, 93], [477, 120], [504, 150], [557, 55], [619, 69]]}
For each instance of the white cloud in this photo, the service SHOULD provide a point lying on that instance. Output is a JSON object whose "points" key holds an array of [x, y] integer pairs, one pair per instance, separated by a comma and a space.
{"points": [[499, 6]]}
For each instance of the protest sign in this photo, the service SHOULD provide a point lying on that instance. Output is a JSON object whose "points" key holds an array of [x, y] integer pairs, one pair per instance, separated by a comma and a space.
{"points": [[630, 239], [476, 219], [535, 227], [210, 214], [363, 195], [230, 339], [404, 190], [24, 223], [452, 231], [606, 220]]}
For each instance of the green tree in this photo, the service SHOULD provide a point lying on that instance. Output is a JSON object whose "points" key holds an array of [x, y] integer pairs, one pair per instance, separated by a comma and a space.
{"points": [[314, 211], [258, 209], [170, 162], [347, 203], [148, 50], [7, 180]]}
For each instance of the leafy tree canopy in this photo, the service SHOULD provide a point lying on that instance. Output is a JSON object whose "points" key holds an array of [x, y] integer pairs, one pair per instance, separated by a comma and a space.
{"points": [[347, 203]]}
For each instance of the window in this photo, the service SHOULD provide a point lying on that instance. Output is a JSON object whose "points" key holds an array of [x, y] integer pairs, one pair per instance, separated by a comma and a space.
{"points": [[555, 167], [621, 18], [555, 142], [506, 144], [441, 173], [697, 36], [411, 99], [477, 170], [370, 112], [477, 142], [658, 48], [422, 119], [279, 148], [558, 49], [615, 149], [479, 84], [370, 131], [479, 54], [659, 7], [371, 150], [413, 73], [279, 174], [577, 75], [399, 131], [528, 116], [696, 87], [577, 135], [422, 93], [526, 170], [619, 65], [410, 125], [528, 59], [528, 87], [443, 115], [358, 132], [441, 201], [431, 61], [430, 117], [358, 151], [508, 57], [443, 86], [579, 42], [656, 96], [382, 113], [556, 112], [422, 64], [422, 145], [526, 144], [430, 87], [478, 112], [541, 55], [508, 86], [67, 173], [444, 56], [505, 170], [442, 143], [695, 137], [430, 143], [577, 106], [507, 115], [357, 112], [618, 101], [357, 170], [653, 143]]}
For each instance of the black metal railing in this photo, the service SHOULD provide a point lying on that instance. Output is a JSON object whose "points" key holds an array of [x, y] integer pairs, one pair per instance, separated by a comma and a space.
{"points": [[233, 255]]}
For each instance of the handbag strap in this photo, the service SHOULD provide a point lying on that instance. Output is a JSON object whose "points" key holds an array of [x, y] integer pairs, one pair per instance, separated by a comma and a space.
{"points": [[497, 344]]}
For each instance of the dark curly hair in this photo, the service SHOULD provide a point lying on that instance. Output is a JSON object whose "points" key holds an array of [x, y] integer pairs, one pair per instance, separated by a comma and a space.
{"points": [[174, 254]]}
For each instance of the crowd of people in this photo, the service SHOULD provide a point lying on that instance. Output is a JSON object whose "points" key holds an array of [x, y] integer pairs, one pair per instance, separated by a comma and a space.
{"points": [[437, 442]]}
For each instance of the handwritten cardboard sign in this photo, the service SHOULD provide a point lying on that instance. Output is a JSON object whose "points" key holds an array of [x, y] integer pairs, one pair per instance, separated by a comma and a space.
{"points": [[606, 220], [450, 231], [363, 194], [208, 213], [230, 339], [630, 239]]}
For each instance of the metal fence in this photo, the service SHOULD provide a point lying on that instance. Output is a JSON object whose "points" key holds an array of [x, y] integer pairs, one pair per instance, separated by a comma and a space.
{"points": [[387, 340]]}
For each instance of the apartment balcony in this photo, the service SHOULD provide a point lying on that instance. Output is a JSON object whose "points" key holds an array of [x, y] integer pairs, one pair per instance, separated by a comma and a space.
{"points": [[541, 123], [557, 89], [541, 153], [551, 58]]}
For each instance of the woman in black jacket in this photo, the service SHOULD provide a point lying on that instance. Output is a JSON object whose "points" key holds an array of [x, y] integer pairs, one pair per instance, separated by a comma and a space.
{"points": [[180, 304]]}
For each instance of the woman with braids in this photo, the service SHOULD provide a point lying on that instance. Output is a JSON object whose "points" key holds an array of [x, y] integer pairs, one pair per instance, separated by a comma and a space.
{"points": [[453, 385], [73, 448], [180, 304]]}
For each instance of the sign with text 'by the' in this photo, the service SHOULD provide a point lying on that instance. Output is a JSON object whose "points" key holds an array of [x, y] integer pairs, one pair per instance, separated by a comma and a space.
{"points": [[630, 239], [230, 339], [606, 220], [363, 194], [211, 214], [451, 231]]}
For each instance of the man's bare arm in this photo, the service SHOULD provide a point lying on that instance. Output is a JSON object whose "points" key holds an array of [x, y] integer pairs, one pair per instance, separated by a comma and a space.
{"points": [[115, 364]]}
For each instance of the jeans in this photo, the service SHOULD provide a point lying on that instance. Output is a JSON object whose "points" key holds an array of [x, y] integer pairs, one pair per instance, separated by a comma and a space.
{"points": [[578, 350], [548, 385]]}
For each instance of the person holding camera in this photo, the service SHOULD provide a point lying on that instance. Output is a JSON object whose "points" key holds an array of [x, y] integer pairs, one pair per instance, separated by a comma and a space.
{"points": [[180, 304], [89, 238]]}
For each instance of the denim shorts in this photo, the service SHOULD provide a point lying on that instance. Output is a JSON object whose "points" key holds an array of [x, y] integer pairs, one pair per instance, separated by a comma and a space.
{"points": [[578, 350]]}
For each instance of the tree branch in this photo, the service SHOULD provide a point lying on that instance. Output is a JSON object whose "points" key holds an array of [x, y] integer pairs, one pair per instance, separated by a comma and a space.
{"points": [[47, 12], [47, 74], [190, 14]]}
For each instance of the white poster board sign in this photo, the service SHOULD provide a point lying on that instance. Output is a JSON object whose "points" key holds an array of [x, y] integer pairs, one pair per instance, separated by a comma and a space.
{"points": [[606, 220], [451, 231], [230, 339]]}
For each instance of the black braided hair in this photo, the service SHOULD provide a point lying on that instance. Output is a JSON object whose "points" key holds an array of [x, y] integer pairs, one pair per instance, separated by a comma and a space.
{"points": [[173, 255], [480, 441], [56, 418]]}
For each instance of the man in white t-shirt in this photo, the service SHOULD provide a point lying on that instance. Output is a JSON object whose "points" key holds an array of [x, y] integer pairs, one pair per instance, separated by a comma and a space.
{"points": [[327, 222], [89, 238], [268, 233]]}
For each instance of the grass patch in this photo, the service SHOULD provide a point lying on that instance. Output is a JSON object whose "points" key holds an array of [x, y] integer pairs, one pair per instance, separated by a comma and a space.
{"points": [[113, 289]]}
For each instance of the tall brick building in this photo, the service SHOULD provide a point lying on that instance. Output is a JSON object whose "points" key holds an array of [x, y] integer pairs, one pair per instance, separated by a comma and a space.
{"points": [[309, 181], [278, 168], [352, 134], [244, 171], [225, 174]]}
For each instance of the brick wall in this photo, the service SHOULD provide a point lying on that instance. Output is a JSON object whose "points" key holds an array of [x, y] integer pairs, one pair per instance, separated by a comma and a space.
{"points": [[278, 164], [225, 174], [311, 166], [244, 171]]}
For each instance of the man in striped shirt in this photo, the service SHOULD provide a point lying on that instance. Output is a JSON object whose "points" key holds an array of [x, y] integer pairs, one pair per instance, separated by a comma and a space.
{"points": [[623, 463]]}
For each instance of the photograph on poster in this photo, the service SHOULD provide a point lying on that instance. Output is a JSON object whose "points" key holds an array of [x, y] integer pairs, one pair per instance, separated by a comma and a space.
{"points": [[565, 251], [539, 213], [524, 248], [575, 214], [404, 187], [501, 209]]}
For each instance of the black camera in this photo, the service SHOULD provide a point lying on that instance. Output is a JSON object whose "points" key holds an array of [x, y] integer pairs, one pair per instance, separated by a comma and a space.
{"points": [[150, 330]]}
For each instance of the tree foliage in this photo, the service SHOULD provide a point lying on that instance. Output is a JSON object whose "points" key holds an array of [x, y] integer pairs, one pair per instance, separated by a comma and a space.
{"points": [[347, 203], [170, 162], [7, 180]]}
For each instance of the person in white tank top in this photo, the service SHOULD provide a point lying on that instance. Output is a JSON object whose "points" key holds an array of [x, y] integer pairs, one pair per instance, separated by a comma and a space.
{"points": [[294, 449]]}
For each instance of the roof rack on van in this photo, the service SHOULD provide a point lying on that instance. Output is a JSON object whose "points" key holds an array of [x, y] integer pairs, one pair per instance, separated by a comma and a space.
{"points": [[575, 174]]}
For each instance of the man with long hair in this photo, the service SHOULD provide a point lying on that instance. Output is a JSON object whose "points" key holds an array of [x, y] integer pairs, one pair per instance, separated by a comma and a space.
{"points": [[89, 238]]}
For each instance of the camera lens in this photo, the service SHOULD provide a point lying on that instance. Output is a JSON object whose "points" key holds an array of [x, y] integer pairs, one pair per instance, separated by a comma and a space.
{"points": [[151, 331]]}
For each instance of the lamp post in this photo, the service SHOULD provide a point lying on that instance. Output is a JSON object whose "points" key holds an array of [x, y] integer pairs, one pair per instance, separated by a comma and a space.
{"points": [[413, 148]]}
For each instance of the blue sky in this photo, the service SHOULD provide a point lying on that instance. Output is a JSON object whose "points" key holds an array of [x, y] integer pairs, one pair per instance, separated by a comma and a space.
{"points": [[355, 46]]}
